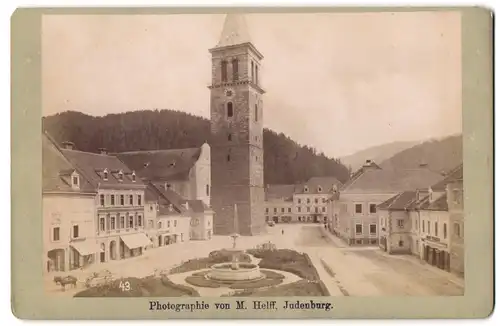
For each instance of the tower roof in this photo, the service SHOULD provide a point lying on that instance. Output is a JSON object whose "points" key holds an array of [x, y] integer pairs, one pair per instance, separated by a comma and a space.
{"points": [[235, 31]]}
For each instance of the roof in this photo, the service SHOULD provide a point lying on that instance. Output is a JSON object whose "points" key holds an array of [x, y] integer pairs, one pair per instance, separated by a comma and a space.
{"points": [[401, 201], [234, 32], [94, 166], [440, 204], [369, 165], [319, 185], [57, 170], [392, 180], [284, 192], [454, 175], [162, 165]]}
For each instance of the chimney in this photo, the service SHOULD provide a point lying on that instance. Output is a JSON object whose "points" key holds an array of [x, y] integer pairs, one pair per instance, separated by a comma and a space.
{"points": [[186, 205], [68, 145], [103, 151]]}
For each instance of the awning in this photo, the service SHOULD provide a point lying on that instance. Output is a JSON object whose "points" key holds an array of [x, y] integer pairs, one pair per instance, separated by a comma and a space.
{"points": [[86, 247], [136, 240]]}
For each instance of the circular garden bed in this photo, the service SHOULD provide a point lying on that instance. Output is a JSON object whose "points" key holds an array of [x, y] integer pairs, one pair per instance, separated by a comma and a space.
{"points": [[271, 279]]}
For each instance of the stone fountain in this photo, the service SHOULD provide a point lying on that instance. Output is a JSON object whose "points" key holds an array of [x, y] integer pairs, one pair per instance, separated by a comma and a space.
{"points": [[235, 270]]}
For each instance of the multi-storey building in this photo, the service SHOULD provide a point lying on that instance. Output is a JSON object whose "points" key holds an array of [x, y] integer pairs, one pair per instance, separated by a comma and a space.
{"points": [[455, 195], [278, 206], [311, 199], [119, 225], [355, 216], [69, 211], [236, 112]]}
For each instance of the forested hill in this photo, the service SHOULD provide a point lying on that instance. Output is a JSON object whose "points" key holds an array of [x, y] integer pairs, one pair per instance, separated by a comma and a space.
{"points": [[285, 161]]}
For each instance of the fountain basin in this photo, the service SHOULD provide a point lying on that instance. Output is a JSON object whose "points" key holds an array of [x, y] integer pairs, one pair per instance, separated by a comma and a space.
{"points": [[227, 272]]}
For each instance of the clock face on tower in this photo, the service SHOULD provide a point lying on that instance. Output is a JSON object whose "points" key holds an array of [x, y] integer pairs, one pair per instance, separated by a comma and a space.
{"points": [[229, 92]]}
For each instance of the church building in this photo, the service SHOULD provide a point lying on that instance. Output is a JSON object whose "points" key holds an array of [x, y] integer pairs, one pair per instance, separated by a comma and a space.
{"points": [[237, 157]]}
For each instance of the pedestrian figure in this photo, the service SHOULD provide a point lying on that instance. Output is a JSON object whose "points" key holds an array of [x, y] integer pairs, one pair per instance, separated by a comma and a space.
{"points": [[282, 232]]}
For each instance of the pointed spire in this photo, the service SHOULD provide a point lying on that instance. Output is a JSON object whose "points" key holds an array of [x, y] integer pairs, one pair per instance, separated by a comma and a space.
{"points": [[234, 31]]}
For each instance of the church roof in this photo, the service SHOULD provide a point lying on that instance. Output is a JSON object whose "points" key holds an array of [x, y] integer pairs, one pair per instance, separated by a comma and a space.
{"points": [[234, 32]]}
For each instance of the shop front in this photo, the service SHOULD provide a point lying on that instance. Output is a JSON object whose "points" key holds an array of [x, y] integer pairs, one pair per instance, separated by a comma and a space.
{"points": [[436, 253], [83, 253], [135, 244]]}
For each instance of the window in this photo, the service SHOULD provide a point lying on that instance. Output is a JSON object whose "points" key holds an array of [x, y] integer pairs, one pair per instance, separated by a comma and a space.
{"points": [[308, 209], [428, 227], [56, 233], [315, 200], [298, 201], [306, 189], [224, 71], [359, 229], [229, 137], [159, 225], [102, 224], [122, 200], [113, 223], [282, 209], [120, 176], [400, 223], [320, 189], [445, 231], [275, 210], [175, 223], [101, 200], [139, 200], [235, 69], [256, 113], [436, 229], [105, 175], [139, 220], [131, 200], [207, 190], [416, 224], [358, 208], [256, 74], [130, 221], [456, 196], [373, 208], [373, 228], [400, 243], [168, 224], [289, 209], [324, 209], [252, 71], [456, 230], [229, 109], [267, 209], [228, 157], [359, 242], [308, 200], [133, 176], [168, 186], [423, 226], [112, 200], [122, 222], [298, 209], [75, 181]]}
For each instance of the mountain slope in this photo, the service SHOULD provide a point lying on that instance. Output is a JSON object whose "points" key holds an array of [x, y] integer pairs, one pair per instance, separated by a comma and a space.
{"points": [[441, 155], [377, 154], [285, 162]]}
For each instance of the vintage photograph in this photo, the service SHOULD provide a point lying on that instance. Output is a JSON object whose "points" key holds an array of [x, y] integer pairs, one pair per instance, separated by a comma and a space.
{"points": [[252, 155]]}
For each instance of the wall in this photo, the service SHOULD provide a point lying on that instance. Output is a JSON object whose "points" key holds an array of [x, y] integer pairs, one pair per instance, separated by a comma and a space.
{"points": [[202, 176], [318, 206], [279, 209], [456, 209], [399, 238]]}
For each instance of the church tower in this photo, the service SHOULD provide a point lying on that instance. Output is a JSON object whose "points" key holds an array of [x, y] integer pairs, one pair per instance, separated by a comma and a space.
{"points": [[236, 131]]}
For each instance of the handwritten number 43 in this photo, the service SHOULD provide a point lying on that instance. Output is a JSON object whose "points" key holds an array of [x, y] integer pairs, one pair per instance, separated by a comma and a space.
{"points": [[125, 286]]}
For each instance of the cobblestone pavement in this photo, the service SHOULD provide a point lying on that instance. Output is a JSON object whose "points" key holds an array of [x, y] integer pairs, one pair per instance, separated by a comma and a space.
{"points": [[345, 270]]}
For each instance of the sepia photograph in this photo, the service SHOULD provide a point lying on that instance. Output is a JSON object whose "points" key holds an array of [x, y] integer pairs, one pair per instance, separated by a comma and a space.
{"points": [[271, 154]]}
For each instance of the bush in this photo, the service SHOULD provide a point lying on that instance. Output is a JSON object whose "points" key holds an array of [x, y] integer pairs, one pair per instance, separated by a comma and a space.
{"points": [[183, 289], [287, 260], [215, 257], [273, 275], [302, 288], [256, 284], [202, 282]]}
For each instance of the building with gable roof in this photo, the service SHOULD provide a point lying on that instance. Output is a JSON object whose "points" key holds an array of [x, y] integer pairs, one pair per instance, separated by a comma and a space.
{"points": [[355, 215], [119, 225], [185, 171], [427, 223], [69, 209], [312, 197], [279, 203]]}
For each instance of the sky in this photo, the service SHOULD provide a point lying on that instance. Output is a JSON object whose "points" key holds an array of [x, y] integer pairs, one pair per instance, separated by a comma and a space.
{"points": [[340, 82]]}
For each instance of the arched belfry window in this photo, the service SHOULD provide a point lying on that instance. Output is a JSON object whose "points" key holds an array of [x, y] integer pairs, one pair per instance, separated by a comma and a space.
{"points": [[235, 70], [229, 109], [256, 113], [223, 66]]}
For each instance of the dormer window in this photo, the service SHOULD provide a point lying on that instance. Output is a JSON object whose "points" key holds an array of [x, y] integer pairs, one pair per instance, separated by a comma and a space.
{"points": [[120, 175], [75, 180], [306, 189], [320, 189], [105, 174], [172, 164], [168, 186], [133, 176]]}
